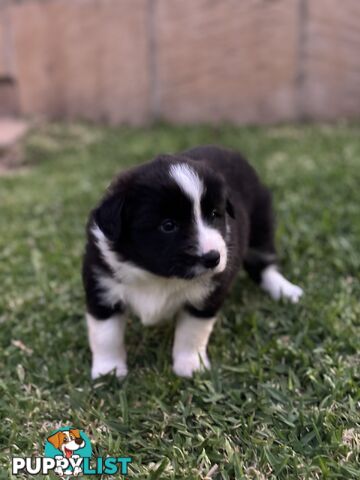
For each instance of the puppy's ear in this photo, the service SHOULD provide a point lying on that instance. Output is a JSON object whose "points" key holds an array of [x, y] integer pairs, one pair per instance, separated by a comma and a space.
{"points": [[75, 432], [57, 439], [108, 216], [230, 208]]}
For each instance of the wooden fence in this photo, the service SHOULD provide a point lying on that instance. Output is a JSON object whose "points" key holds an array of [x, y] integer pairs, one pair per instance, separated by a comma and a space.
{"points": [[244, 61]]}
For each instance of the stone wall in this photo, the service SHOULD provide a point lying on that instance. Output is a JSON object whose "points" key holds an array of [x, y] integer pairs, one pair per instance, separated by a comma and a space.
{"points": [[248, 61]]}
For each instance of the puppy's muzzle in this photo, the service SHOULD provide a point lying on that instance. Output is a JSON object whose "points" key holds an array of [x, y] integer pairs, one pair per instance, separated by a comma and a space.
{"points": [[210, 259]]}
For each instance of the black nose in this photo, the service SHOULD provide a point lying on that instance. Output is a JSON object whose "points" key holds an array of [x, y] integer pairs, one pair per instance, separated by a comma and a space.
{"points": [[211, 259], [78, 441]]}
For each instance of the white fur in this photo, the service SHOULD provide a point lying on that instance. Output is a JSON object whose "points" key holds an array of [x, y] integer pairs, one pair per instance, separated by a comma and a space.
{"points": [[106, 340], [211, 239], [190, 344], [208, 238], [103, 243], [188, 180], [151, 297], [273, 282]]}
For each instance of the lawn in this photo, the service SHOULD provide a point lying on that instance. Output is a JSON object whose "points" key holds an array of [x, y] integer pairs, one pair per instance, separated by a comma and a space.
{"points": [[282, 400]]}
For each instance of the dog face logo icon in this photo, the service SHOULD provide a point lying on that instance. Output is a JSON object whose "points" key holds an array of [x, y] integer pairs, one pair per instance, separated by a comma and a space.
{"points": [[67, 441], [68, 446]]}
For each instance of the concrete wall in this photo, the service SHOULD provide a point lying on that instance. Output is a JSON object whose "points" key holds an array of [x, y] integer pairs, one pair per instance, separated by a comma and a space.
{"points": [[245, 61]]}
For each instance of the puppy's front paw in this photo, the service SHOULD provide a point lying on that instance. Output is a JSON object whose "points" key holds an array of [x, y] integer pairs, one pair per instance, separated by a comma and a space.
{"points": [[103, 366], [292, 292], [186, 364]]}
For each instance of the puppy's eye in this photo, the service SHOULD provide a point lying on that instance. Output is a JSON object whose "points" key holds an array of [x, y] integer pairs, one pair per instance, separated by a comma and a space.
{"points": [[168, 226], [215, 214]]}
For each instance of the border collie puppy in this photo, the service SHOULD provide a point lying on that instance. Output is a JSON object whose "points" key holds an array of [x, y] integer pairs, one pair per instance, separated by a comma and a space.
{"points": [[167, 240]]}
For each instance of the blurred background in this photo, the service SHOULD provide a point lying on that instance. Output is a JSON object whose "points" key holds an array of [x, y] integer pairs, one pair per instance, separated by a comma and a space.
{"points": [[134, 61]]}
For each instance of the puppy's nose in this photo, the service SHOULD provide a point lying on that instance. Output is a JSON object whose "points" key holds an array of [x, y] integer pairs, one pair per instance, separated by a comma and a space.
{"points": [[211, 259], [79, 441]]}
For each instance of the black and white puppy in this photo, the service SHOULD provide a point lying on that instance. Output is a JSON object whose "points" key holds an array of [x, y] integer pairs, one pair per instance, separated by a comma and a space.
{"points": [[167, 240]]}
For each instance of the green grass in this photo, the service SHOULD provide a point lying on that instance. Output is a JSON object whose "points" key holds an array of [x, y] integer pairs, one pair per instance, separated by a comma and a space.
{"points": [[282, 399]]}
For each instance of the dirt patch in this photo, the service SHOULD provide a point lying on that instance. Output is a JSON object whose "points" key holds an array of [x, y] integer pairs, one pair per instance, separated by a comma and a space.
{"points": [[11, 149]]}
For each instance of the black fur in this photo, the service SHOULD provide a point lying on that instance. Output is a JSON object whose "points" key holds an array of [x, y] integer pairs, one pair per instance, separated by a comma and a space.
{"points": [[139, 200]]}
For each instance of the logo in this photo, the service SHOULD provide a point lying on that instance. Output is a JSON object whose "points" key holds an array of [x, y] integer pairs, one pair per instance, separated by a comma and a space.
{"points": [[68, 452]]}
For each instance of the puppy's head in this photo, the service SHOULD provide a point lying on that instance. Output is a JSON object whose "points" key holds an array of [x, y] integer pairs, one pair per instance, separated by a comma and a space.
{"points": [[67, 441], [169, 217]]}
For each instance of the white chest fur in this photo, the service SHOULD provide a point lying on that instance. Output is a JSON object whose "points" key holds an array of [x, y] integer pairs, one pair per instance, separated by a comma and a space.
{"points": [[149, 297]]}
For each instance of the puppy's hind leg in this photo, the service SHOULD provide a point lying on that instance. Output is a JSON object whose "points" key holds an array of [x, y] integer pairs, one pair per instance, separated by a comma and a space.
{"points": [[260, 261], [106, 338], [273, 282]]}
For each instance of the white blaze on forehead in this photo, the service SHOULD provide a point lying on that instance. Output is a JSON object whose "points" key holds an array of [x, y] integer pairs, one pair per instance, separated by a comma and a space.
{"points": [[209, 238], [189, 181]]}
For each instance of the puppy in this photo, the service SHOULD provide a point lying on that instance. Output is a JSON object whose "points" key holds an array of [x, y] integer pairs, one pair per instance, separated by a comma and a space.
{"points": [[167, 240], [67, 441]]}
